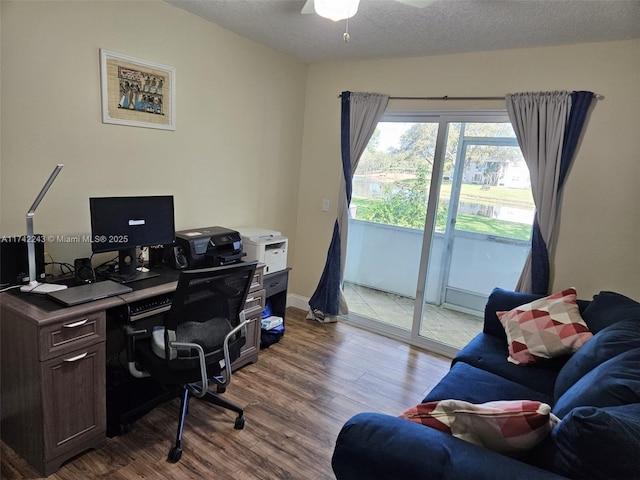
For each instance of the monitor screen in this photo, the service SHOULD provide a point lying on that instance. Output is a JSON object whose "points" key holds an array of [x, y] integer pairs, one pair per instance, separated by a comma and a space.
{"points": [[124, 223]]}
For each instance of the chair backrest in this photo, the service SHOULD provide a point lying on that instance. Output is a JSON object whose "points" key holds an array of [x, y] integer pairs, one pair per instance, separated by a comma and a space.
{"points": [[205, 295]]}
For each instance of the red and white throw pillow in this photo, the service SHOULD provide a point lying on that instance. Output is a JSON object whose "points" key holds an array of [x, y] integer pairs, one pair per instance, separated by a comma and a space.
{"points": [[545, 328], [506, 427]]}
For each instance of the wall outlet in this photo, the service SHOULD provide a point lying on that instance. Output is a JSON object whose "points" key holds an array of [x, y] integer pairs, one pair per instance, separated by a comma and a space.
{"points": [[325, 204]]}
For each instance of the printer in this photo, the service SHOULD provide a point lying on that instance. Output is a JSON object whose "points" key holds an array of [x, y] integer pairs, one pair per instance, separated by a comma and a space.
{"points": [[210, 246], [266, 246]]}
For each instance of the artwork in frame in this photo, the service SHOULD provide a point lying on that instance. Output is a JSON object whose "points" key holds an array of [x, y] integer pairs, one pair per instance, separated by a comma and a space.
{"points": [[137, 92]]}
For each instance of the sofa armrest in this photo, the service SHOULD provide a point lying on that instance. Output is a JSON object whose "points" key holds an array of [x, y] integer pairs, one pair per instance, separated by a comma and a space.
{"points": [[375, 446], [503, 300]]}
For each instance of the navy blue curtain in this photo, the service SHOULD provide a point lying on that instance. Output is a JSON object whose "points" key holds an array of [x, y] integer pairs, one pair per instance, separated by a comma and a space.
{"points": [[326, 298], [540, 269], [580, 104]]}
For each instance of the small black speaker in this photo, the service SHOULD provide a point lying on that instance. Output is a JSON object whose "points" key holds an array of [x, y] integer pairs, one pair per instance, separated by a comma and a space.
{"points": [[175, 257], [84, 271]]}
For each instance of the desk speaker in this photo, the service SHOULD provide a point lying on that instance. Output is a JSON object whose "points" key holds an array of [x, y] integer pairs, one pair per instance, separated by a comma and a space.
{"points": [[84, 271], [175, 257]]}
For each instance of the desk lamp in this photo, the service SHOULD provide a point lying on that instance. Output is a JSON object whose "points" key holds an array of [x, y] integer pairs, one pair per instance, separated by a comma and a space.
{"points": [[34, 286]]}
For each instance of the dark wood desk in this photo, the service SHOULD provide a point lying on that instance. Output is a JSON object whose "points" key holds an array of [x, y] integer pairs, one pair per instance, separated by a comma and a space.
{"points": [[53, 397]]}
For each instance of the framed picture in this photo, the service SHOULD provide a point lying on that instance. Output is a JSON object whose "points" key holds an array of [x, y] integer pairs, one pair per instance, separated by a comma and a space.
{"points": [[136, 92]]}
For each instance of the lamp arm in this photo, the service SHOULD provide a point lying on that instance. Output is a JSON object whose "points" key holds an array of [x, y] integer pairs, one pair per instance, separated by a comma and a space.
{"points": [[31, 248]]}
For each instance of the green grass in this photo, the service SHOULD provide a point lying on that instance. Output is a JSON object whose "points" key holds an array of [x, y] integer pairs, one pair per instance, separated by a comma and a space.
{"points": [[512, 197], [491, 226], [464, 222]]}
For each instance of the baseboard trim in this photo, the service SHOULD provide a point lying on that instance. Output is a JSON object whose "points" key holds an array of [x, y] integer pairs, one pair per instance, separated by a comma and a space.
{"points": [[297, 301]]}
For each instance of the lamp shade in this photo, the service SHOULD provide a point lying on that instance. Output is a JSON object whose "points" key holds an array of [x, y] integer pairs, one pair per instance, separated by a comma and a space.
{"points": [[336, 9]]}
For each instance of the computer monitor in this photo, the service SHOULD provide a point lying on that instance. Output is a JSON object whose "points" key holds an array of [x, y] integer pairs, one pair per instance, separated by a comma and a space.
{"points": [[124, 223]]}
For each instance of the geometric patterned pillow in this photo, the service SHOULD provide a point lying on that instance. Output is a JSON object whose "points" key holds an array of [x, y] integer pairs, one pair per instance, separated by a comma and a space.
{"points": [[506, 427], [545, 328]]}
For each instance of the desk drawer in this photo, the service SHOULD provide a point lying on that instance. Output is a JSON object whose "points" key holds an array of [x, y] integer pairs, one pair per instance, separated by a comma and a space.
{"points": [[256, 282], [255, 303], [72, 334], [276, 282]]}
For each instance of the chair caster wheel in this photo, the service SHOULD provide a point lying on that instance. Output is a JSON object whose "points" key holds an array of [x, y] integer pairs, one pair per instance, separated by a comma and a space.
{"points": [[124, 428], [239, 425], [221, 389], [174, 455]]}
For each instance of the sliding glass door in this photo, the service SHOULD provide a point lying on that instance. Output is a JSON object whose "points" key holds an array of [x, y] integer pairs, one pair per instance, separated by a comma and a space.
{"points": [[441, 214]]}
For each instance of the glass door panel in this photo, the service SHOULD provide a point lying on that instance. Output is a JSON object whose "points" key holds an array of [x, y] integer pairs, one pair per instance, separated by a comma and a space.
{"points": [[388, 210], [439, 202], [482, 238]]}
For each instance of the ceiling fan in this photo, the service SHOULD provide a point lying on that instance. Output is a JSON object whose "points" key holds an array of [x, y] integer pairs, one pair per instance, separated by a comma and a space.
{"points": [[342, 9], [345, 9]]}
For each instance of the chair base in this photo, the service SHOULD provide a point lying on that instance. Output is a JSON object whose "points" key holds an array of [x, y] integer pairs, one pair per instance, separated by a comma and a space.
{"points": [[176, 451]]}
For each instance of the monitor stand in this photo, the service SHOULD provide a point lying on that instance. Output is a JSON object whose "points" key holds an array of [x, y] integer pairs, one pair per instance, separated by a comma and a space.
{"points": [[128, 270]]}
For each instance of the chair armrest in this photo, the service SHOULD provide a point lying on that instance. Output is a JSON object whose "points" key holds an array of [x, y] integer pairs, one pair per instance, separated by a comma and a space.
{"points": [[130, 334], [202, 359], [227, 357], [373, 445]]}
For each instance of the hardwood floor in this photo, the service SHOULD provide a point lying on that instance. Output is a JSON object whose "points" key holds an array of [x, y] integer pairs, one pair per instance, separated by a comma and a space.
{"points": [[296, 398]]}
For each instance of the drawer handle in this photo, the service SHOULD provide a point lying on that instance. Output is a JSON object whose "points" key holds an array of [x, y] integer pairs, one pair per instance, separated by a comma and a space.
{"points": [[251, 299], [76, 358], [76, 324]]}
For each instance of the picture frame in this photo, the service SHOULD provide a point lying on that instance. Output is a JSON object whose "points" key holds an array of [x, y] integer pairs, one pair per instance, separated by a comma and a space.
{"points": [[137, 92]]}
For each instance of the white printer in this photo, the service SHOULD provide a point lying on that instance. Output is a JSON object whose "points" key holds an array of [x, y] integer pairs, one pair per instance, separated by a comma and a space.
{"points": [[266, 246]]}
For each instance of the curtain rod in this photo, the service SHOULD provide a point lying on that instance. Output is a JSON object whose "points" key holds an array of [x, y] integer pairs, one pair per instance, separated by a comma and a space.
{"points": [[446, 97]]}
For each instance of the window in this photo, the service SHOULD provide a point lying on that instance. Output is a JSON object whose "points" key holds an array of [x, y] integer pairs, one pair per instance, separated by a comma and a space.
{"points": [[391, 182]]}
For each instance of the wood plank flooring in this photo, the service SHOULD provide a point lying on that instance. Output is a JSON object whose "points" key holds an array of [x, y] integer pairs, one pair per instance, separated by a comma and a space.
{"points": [[296, 398]]}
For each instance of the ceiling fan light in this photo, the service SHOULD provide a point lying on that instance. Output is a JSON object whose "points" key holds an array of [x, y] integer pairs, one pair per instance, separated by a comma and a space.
{"points": [[336, 9]]}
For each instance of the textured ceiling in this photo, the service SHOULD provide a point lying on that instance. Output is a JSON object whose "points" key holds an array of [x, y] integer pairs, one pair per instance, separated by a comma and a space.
{"points": [[387, 28]]}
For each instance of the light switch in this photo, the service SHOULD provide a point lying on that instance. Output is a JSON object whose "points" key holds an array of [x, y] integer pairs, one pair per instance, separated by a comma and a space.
{"points": [[325, 204]]}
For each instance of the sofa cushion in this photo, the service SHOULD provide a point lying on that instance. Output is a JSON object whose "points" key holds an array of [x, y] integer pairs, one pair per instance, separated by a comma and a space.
{"points": [[383, 447], [474, 385], [607, 308], [501, 300], [545, 328], [611, 341], [594, 443], [614, 382], [490, 353], [502, 426]]}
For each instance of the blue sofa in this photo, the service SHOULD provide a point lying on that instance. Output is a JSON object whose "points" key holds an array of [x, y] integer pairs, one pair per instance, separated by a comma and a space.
{"points": [[595, 392]]}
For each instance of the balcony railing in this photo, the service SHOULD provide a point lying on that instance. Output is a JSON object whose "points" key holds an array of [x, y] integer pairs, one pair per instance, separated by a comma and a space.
{"points": [[387, 258]]}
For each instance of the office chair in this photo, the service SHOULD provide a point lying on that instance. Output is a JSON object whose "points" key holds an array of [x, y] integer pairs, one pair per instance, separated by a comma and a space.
{"points": [[202, 335]]}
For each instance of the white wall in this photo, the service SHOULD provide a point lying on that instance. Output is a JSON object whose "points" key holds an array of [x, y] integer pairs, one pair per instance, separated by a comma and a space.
{"points": [[232, 160], [599, 238]]}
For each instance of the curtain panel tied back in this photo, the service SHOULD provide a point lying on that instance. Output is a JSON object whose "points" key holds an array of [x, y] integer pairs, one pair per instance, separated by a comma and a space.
{"points": [[360, 113], [548, 126]]}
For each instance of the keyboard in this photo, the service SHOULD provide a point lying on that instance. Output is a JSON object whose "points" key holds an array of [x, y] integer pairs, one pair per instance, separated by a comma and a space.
{"points": [[149, 306]]}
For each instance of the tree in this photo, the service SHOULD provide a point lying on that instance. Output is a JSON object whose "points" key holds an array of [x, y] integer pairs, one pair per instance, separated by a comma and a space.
{"points": [[405, 205]]}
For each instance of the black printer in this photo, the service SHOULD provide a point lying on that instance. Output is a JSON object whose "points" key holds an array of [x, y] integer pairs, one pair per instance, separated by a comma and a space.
{"points": [[210, 246]]}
